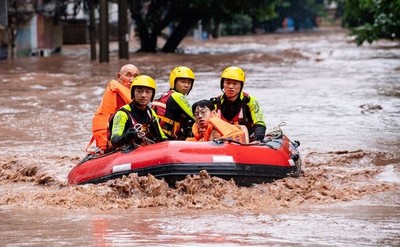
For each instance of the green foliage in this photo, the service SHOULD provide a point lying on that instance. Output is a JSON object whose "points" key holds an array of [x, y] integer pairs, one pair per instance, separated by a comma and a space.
{"points": [[371, 20], [241, 25]]}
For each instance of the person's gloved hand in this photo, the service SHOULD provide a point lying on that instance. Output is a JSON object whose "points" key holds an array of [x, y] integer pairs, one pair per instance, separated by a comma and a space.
{"points": [[130, 134]]}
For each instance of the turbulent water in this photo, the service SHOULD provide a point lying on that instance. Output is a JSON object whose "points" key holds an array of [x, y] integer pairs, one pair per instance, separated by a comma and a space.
{"points": [[340, 101]]}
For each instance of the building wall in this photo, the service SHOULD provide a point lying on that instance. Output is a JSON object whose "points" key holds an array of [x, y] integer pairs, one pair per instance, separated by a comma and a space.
{"points": [[40, 36]]}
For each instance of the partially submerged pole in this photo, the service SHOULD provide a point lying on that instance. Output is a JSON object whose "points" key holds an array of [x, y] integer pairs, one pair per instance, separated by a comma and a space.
{"points": [[123, 34], [92, 31], [103, 34]]}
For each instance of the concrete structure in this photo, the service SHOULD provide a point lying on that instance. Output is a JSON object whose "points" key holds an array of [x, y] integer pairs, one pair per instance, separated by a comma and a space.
{"points": [[39, 37]]}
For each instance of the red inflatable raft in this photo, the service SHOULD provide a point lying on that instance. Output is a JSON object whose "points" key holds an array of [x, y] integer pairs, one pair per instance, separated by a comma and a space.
{"points": [[273, 159]]}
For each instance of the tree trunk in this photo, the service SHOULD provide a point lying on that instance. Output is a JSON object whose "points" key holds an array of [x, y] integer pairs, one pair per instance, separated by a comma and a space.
{"points": [[216, 30], [92, 31], [123, 36], [178, 35], [150, 24], [104, 38], [147, 41]]}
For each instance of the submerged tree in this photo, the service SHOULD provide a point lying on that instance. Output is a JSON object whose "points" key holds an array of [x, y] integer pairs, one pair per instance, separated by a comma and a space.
{"points": [[153, 16]]}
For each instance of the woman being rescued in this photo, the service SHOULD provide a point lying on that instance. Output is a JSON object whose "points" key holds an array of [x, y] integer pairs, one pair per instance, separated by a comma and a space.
{"points": [[209, 127]]}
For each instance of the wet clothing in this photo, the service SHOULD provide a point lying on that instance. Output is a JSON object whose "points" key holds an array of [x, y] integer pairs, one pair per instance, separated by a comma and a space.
{"points": [[174, 113], [126, 118], [218, 128], [115, 96], [245, 110]]}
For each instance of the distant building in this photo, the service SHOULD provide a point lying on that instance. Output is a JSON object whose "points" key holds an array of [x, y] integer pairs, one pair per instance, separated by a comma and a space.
{"points": [[39, 37], [40, 31]]}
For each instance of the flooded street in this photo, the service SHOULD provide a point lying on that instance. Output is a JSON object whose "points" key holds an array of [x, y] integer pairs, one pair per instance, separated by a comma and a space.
{"points": [[340, 101]]}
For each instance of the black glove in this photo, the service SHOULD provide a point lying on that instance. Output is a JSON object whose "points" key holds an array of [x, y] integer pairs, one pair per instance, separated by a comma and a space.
{"points": [[259, 132], [130, 134], [126, 138], [187, 129]]}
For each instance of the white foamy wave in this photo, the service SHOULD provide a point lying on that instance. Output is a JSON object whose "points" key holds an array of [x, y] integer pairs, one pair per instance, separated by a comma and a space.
{"points": [[38, 87], [389, 175]]}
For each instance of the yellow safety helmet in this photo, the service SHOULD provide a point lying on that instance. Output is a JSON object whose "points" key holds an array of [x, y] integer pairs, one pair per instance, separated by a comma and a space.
{"points": [[234, 73], [143, 81], [181, 72]]}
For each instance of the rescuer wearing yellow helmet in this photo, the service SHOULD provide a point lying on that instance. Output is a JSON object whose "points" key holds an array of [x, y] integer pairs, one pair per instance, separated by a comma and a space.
{"points": [[172, 108], [238, 107], [135, 121]]}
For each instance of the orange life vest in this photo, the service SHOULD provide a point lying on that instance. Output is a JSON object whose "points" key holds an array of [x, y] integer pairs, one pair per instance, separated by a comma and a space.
{"points": [[224, 129], [115, 96]]}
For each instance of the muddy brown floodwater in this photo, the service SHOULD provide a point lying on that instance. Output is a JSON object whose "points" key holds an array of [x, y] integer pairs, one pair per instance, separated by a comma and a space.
{"points": [[340, 101]]}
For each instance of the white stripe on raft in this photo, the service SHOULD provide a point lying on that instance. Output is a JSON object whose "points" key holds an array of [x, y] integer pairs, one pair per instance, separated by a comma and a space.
{"points": [[222, 158], [120, 168]]}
